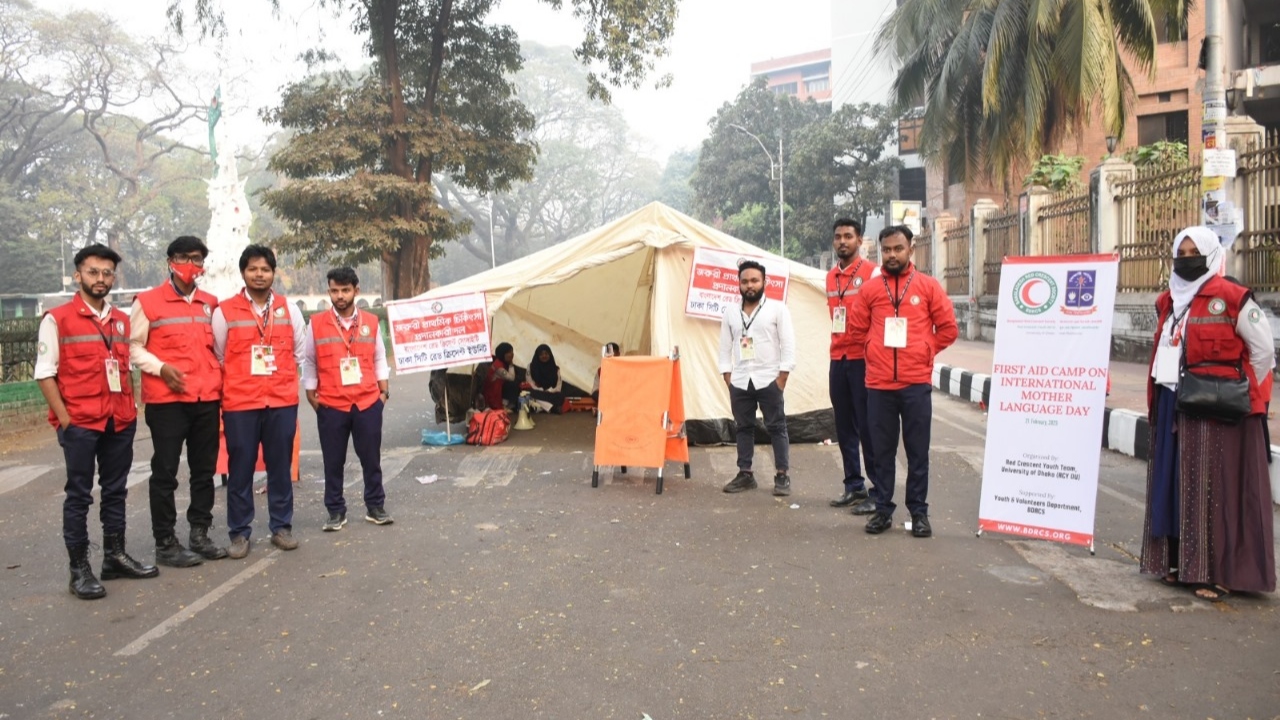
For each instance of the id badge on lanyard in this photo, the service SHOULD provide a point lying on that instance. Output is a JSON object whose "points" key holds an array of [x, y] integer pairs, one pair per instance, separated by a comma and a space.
{"points": [[895, 332], [837, 320], [748, 348], [113, 375], [262, 360], [1167, 361], [349, 367]]}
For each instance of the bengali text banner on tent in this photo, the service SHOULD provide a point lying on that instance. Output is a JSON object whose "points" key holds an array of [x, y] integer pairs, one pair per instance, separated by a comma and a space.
{"points": [[713, 282], [439, 333], [1048, 391]]}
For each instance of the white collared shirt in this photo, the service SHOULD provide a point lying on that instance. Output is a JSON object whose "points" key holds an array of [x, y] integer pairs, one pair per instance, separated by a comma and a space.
{"points": [[772, 337]]}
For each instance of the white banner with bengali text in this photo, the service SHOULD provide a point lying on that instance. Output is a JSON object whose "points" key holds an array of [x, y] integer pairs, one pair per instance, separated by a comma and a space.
{"points": [[1048, 394], [713, 281], [439, 332]]}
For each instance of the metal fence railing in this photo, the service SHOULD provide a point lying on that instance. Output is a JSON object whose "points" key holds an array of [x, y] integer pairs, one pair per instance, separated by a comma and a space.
{"points": [[923, 255], [1154, 207], [956, 274], [1064, 224], [1259, 244], [1002, 237], [18, 344]]}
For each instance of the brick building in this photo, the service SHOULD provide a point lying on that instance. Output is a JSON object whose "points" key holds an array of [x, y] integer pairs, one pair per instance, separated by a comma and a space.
{"points": [[805, 77]]}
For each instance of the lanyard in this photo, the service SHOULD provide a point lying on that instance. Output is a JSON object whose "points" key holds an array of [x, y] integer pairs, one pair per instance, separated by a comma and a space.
{"points": [[1175, 336], [840, 291], [264, 333], [898, 300], [348, 335], [106, 340], [746, 325]]}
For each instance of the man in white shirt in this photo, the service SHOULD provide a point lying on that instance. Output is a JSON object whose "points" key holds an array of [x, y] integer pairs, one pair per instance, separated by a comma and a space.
{"points": [[757, 353]]}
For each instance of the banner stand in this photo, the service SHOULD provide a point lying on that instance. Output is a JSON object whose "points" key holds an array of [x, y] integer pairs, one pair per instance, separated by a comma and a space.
{"points": [[1049, 371]]}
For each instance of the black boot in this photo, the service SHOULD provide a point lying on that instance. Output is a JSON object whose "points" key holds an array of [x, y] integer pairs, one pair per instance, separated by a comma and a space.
{"points": [[83, 584], [170, 552], [203, 546], [116, 563]]}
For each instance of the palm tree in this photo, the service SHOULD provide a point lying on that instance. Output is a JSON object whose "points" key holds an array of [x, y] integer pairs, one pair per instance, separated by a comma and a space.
{"points": [[1001, 81]]}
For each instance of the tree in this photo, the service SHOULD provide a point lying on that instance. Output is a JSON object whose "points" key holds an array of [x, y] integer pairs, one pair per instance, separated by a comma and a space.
{"points": [[1001, 81], [588, 169], [75, 154], [363, 158], [830, 161], [675, 189]]}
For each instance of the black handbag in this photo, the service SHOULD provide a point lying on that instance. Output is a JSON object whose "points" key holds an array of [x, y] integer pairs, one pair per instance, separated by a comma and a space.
{"points": [[1211, 397]]}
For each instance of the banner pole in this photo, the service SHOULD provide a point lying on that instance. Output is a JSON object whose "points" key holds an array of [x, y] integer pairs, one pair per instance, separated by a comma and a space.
{"points": [[448, 433]]}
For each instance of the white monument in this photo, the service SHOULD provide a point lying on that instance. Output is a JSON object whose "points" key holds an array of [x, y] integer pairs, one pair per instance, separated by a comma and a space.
{"points": [[229, 227]]}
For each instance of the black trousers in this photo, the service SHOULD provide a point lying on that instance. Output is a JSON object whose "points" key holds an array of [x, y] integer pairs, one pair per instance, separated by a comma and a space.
{"points": [[112, 452], [769, 400], [847, 383], [172, 425], [911, 411]]}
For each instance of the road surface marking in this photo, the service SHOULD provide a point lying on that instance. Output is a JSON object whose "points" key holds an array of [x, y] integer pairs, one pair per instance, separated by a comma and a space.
{"points": [[191, 610]]}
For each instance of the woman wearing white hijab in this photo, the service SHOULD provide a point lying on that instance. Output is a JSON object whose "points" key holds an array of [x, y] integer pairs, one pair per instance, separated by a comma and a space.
{"points": [[1208, 519]]}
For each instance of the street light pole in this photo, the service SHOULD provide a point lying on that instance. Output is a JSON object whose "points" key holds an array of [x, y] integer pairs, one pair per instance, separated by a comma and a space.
{"points": [[782, 220]]}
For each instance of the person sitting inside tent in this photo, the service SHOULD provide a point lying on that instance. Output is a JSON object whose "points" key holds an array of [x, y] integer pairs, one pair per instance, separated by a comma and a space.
{"points": [[610, 350], [500, 383], [546, 388]]}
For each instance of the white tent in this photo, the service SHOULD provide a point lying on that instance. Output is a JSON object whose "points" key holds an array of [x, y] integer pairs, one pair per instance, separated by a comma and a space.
{"points": [[627, 282]]}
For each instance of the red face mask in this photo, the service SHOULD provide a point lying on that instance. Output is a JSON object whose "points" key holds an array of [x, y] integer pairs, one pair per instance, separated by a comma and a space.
{"points": [[186, 272]]}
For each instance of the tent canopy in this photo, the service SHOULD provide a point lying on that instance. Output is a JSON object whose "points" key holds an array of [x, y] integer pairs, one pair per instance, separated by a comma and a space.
{"points": [[627, 282]]}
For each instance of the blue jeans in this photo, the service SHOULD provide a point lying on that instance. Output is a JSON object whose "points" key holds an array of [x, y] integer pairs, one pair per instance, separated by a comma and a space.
{"points": [[769, 400], [245, 430]]}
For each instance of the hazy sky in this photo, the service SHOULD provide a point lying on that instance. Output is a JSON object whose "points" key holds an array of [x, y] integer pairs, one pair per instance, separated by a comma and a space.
{"points": [[714, 45]]}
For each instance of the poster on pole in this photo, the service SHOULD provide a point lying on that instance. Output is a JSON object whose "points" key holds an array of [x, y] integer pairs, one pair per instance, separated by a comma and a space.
{"points": [[907, 212], [1048, 392], [439, 332], [713, 281]]}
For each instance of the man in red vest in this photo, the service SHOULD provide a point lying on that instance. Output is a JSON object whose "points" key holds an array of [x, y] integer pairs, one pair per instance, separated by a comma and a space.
{"points": [[172, 344], [903, 319], [82, 368], [259, 337], [345, 375]]}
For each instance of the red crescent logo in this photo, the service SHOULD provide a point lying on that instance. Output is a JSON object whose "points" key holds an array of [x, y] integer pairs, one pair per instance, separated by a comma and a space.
{"points": [[1026, 292]]}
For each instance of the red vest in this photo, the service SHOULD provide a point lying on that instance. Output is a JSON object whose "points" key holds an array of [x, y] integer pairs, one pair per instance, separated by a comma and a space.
{"points": [[1210, 337], [82, 366], [242, 390], [842, 289], [333, 343], [181, 335]]}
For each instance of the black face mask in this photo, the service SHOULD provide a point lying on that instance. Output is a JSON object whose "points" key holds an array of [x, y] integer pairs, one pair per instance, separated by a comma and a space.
{"points": [[1190, 267]]}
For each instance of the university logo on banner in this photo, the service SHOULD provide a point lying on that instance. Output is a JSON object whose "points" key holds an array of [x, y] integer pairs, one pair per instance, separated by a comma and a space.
{"points": [[713, 281], [440, 333], [1048, 391]]}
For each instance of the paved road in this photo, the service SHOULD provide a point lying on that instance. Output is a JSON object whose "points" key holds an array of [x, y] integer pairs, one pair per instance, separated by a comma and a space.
{"points": [[509, 588]]}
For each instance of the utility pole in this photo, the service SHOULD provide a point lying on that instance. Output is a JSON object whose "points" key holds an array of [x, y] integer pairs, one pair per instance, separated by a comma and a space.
{"points": [[1217, 210], [773, 174], [493, 255]]}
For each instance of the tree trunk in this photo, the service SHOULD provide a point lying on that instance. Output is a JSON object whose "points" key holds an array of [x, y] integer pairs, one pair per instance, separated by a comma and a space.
{"points": [[407, 271]]}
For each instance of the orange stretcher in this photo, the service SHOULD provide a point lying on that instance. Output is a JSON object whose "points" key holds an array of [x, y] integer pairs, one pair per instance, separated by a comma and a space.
{"points": [[641, 418]]}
